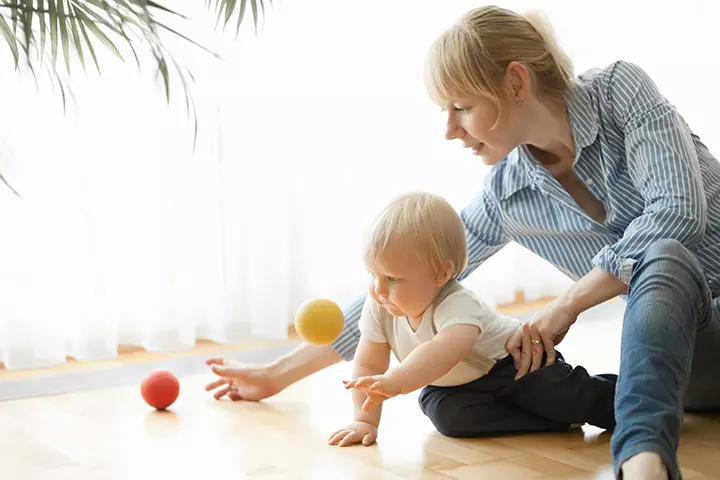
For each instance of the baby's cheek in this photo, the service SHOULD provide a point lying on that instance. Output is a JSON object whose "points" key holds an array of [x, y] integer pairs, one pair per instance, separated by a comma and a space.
{"points": [[397, 294], [371, 292]]}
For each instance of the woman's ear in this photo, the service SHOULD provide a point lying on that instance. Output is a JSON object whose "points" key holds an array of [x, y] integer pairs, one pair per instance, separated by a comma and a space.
{"points": [[518, 81]]}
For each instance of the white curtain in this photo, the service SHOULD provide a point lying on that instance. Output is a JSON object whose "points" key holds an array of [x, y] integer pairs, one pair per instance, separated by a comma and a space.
{"points": [[126, 235]]}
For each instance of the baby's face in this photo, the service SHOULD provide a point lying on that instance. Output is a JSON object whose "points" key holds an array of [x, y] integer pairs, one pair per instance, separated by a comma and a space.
{"points": [[401, 282]]}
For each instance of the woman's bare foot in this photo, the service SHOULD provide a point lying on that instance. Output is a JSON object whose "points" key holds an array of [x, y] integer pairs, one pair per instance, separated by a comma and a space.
{"points": [[644, 466]]}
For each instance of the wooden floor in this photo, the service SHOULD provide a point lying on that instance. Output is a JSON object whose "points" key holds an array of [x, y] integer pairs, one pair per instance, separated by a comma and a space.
{"points": [[112, 434]]}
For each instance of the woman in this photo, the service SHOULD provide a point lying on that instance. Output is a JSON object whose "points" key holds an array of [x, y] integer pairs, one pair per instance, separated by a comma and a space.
{"points": [[600, 176]]}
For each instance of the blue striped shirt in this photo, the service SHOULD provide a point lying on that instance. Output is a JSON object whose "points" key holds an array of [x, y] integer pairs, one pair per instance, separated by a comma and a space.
{"points": [[635, 153]]}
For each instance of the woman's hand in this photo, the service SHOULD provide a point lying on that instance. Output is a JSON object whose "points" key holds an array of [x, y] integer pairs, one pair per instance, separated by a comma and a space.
{"points": [[241, 382], [547, 329]]}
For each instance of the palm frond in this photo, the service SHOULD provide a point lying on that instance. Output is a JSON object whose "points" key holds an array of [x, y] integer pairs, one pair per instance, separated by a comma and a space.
{"points": [[2, 179], [226, 9], [133, 21], [78, 27]]}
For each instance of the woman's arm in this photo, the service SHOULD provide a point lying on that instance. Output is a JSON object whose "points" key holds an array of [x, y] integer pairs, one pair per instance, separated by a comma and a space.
{"points": [[662, 162], [550, 326]]}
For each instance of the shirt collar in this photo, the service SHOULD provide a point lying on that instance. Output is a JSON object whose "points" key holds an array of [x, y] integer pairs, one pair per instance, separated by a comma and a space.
{"points": [[520, 171], [583, 119]]}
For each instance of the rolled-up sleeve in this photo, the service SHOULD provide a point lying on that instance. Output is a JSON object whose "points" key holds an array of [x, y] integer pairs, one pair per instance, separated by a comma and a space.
{"points": [[346, 344], [662, 163]]}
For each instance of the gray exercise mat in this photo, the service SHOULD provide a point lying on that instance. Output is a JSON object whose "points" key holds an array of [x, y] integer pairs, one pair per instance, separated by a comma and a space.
{"points": [[125, 374]]}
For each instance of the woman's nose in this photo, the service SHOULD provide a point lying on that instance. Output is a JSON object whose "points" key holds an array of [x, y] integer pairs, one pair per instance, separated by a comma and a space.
{"points": [[452, 129]]}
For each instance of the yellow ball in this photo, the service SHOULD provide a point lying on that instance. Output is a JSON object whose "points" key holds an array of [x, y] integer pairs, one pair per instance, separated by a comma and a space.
{"points": [[319, 321]]}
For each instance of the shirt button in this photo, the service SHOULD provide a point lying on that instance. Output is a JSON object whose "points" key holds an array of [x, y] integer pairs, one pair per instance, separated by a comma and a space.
{"points": [[589, 181]]}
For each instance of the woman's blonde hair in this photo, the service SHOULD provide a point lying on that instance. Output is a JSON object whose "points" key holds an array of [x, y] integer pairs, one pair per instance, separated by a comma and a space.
{"points": [[430, 223], [471, 57]]}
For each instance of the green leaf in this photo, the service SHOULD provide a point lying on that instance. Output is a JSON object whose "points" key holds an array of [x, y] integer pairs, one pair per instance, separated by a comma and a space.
{"points": [[189, 102], [27, 27], [114, 17], [83, 9], [53, 18], [10, 38], [189, 40], [254, 10], [15, 8], [62, 92], [243, 4], [62, 19], [76, 35], [89, 44], [43, 28], [163, 69], [165, 9], [135, 55], [230, 8], [220, 8], [100, 35]]}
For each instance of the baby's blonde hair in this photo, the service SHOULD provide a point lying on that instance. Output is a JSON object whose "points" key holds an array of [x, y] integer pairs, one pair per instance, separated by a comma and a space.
{"points": [[471, 57], [430, 223]]}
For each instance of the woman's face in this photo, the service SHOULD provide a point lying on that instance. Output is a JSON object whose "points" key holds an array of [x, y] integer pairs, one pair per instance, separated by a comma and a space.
{"points": [[471, 119]]}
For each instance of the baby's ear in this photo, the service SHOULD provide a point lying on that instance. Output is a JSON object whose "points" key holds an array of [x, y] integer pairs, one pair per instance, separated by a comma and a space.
{"points": [[445, 273]]}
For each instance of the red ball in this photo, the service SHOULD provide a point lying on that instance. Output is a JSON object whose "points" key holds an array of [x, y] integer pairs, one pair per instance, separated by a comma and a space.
{"points": [[160, 389]]}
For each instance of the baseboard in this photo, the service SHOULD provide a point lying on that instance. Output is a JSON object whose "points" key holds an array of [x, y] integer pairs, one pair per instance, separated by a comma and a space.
{"points": [[137, 354]]}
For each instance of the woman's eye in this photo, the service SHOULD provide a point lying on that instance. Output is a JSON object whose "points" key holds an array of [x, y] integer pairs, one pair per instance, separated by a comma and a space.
{"points": [[392, 279], [461, 109]]}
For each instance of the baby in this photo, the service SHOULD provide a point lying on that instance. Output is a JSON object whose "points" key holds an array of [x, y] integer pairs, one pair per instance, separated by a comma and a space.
{"points": [[449, 343]]}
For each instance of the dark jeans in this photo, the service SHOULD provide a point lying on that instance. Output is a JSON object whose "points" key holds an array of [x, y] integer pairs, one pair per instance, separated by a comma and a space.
{"points": [[551, 398], [670, 354]]}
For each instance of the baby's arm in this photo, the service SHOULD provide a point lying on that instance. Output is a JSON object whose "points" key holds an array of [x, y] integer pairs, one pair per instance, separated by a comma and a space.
{"points": [[431, 360], [371, 358], [425, 364]]}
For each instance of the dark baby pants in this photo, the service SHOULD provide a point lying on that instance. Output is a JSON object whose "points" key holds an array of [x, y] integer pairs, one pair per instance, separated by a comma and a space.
{"points": [[551, 398]]}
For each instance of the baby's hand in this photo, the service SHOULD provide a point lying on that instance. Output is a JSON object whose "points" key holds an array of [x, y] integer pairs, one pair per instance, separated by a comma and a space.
{"points": [[356, 432], [377, 387]]}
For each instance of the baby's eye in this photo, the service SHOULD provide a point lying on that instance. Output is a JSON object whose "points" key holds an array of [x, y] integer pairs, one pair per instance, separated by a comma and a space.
{"points": [[392, 279]]}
